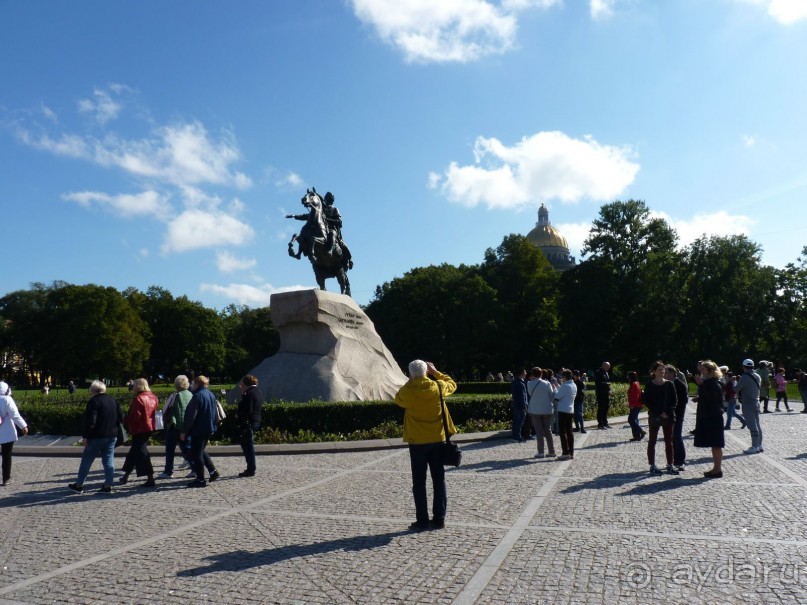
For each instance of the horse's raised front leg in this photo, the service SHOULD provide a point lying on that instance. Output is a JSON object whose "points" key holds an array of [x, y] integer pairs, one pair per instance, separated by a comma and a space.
{"points": [[291, 246]]}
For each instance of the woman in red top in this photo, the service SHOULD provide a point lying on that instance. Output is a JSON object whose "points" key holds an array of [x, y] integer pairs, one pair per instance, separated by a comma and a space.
{"points": [[140, 423], [635, 405]]}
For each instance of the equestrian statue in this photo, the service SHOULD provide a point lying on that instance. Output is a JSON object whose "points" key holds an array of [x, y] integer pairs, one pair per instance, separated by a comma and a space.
{"points": [[320, 240]]}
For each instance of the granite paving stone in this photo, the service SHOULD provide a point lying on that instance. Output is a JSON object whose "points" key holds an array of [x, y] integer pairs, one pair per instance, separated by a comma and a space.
{"points": [[331, 526]]}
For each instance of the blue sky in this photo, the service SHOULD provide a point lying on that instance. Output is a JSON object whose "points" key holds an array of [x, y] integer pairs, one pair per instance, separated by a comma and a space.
{"points": [[162, 143]]}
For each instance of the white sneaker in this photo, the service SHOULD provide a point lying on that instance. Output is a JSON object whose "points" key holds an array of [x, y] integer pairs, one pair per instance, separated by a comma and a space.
{"points": [[166, 475], [752, 450], [538, 455]]}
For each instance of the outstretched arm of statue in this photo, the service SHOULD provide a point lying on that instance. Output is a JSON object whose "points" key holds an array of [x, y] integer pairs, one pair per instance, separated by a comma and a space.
{"points": [[299, 217]]}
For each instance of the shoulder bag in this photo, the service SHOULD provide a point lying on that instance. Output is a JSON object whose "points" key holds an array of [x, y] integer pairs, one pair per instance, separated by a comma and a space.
{"points": [[450, 453]]}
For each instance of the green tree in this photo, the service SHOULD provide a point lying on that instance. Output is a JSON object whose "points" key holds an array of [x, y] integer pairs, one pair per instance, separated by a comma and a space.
{"points": [[727, 300], [250, 338], [92, 331], [788, 322], [634, 296], [23, 333], [185, 335], [527, 293], [442, 313]]}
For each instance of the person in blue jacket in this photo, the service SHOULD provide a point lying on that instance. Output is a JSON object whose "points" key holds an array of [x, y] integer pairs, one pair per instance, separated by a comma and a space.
{"points": [[200, 423]]}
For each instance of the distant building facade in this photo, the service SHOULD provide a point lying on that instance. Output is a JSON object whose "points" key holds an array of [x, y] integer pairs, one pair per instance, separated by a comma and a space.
{"points": [[550, 241]]}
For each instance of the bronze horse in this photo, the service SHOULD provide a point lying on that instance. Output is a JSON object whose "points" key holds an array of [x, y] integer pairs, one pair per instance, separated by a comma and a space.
{"points": [[328, 254]]}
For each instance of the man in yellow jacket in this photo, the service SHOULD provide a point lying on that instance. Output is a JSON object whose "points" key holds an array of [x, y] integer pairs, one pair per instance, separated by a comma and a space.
{"points": [[424, 432]]}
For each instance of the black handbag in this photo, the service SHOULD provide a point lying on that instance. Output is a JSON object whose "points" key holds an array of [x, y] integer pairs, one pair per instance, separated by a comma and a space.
{"points": [[450, 453]]}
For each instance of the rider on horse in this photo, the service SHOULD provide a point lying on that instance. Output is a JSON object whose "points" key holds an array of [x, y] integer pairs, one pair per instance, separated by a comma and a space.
{"points": [[321, 241], [314, 229]]}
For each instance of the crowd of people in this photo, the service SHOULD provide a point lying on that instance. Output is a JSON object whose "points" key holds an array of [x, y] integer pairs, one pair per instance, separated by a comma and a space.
{"points": [[190, 417], [544, 404], [540, 405]]}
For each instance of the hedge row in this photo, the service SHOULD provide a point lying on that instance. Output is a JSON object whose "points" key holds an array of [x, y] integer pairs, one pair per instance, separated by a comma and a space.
{"points": [[337, 420]]}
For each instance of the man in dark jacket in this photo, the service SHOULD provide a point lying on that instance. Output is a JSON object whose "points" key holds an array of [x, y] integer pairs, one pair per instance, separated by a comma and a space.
{"points": [[602, 389], [102, 417], [518, 389], [682, 398], [200, 423], [249, 420]]}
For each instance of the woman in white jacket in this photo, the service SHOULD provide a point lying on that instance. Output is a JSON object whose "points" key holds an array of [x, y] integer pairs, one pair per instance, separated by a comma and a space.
{"points": [[9, 417]]}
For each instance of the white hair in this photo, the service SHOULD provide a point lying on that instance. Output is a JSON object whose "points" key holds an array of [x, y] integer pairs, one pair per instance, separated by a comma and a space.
{"points": [[5, 390], [97, 387], [417, 369]]}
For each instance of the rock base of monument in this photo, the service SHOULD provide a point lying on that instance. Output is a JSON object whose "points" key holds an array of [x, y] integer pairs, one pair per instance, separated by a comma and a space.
{"points": [[329, 351]]}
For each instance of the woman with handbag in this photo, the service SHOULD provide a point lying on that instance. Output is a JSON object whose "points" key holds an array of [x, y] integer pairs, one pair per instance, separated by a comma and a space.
{"points": [[425, 428], [10, 419], [140, 422]]}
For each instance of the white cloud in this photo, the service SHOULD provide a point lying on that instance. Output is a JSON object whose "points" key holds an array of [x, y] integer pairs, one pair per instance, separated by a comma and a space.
{"points": [[786, 12], [144, 252], [182, 155], [103, 107], [246, 294], [48, 113], [719, 223], [181, 159], [546, 165], [196, 228], [127, 205], [291, 179], [601, 9], [448, 30], [67, 145], [748, 141], [227, 263], [575, 234]]}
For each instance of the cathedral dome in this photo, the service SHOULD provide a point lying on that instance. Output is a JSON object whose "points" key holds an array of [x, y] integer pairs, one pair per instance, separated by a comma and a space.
{"points": [[547, 235], [550, 241]]}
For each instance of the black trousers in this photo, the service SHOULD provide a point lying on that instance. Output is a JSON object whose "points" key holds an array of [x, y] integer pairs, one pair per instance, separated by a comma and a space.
{"points": [[7, 447], [603, 403], [138, 457], [200, 458]]}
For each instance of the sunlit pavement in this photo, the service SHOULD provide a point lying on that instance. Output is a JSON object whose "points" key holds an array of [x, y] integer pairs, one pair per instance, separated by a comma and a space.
{"points": [[331, 527]]}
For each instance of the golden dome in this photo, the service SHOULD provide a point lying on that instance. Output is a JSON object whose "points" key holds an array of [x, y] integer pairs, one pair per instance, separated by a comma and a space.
{"points": [[550, 242], [546, 235]]}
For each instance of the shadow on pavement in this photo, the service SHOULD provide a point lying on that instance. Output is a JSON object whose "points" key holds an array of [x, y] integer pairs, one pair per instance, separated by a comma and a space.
{"points": [[605, 482], [498, 465], [655, 487], [239, 560], [61, 495]]}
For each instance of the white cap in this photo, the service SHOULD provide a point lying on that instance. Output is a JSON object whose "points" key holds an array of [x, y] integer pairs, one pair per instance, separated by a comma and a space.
{"points": [[748, 363]]}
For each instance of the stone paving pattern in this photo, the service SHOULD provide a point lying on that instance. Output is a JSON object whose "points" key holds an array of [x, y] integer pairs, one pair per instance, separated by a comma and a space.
{"points": [[332, 528]]}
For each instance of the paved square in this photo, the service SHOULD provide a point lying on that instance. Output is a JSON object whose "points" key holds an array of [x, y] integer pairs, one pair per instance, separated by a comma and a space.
{"points": [[332, 528]]}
